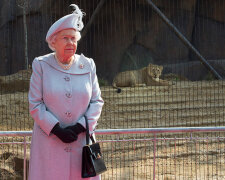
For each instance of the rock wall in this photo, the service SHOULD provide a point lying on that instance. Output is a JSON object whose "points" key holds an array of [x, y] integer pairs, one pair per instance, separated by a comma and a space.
{"points": [[125, 34]]}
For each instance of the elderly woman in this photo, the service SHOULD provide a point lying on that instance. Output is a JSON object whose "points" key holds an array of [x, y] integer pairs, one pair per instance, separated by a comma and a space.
{"points": [[63, 89]]}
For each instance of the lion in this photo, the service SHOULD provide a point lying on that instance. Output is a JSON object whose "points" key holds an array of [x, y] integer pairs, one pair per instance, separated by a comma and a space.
{"points": [[147, 76]]}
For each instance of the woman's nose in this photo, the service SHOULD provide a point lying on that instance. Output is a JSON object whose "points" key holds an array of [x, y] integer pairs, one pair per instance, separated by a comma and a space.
{"points": [[70, 41]]}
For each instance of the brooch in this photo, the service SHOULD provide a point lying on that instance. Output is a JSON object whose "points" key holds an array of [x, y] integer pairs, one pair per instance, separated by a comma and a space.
{"points": [[81, 66]]}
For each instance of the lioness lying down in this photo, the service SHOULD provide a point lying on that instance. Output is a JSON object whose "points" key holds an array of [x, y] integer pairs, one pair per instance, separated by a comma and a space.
{"points": [[147, 76]]}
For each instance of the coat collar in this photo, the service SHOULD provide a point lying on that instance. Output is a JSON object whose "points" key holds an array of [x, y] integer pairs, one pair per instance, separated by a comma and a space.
{"points": [[80, 66]]}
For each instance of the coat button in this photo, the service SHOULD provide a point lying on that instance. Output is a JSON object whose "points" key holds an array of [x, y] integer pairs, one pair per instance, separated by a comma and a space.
{"points": [[68, 114], [68, 95], [68, 149], [67, 78]]}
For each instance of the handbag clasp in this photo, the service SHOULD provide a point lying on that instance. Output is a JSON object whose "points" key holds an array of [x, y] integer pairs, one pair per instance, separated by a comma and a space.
{"points": [[98, 156]]}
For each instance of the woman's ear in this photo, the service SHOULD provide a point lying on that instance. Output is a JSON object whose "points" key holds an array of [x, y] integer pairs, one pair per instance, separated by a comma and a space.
{"points": [[53, 41], [53, 44]]}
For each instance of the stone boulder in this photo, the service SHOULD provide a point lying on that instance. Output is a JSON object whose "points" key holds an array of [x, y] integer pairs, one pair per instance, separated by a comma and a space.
{"points": [[160, 39], [195, 70]]}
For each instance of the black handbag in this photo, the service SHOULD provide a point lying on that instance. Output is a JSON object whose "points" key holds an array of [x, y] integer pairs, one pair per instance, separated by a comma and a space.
{"points": [[92, 161]]}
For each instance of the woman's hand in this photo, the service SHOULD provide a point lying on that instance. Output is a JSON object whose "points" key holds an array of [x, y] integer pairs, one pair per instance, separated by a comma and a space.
{"points": [[77, 128], [65, 135]]}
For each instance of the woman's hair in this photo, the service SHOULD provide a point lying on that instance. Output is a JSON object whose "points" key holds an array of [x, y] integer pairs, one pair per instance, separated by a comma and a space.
{"points": [[52, 39]]}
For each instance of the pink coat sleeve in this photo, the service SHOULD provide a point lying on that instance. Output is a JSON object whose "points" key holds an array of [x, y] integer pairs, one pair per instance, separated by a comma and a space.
{"points": [[45, 119]]}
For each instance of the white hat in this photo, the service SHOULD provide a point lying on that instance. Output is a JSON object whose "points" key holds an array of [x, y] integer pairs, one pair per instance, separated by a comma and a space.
{"points": [[71, 21]]}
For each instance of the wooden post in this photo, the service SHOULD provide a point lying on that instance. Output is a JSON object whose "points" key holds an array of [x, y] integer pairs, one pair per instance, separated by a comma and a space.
{"points": [[24, 5]]}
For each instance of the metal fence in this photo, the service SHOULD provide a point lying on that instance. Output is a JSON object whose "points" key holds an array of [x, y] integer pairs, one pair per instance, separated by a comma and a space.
{"points": [[161, 153], [125, 35]]}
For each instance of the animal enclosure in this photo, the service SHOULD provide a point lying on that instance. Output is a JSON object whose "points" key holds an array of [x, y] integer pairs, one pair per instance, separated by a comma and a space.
{"points": [[124, 37]]}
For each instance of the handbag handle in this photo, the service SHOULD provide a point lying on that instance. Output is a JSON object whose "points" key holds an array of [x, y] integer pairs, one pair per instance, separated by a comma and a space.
{"points": [[87, 132]]}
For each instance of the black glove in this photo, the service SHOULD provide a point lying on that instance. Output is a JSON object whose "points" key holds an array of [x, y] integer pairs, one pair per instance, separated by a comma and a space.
{"points": [[77, 128], [65, 135]]}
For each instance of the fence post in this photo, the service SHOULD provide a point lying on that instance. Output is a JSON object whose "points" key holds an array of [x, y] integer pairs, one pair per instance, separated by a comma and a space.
{"points": [[24, 159], [24, 5], [154, 151]]}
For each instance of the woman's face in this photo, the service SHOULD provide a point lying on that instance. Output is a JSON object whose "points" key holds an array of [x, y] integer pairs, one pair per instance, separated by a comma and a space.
{"points": [[65, 44]]}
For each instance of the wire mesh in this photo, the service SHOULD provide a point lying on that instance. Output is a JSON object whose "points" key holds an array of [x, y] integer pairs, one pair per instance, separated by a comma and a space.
{"points": [[123, 36], [14, 151], [181, 156], [197, 155], [128, 35]]}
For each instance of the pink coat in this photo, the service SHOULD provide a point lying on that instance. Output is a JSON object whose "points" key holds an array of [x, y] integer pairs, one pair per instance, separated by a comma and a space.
{"points": [[63, 96]]}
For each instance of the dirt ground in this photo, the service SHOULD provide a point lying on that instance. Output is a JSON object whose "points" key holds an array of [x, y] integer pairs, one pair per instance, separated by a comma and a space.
{"points": [[183, 104]]}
